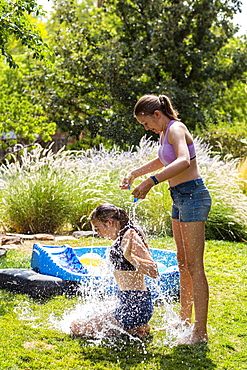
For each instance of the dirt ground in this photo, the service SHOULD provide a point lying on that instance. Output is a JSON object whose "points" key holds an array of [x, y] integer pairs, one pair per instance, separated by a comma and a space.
{"points": [[26, 246]]}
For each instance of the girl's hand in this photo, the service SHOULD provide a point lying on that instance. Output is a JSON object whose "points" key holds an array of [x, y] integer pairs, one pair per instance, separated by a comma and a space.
{"points": [[127, 181], [128, 243], [137, 253], [143, 188]]}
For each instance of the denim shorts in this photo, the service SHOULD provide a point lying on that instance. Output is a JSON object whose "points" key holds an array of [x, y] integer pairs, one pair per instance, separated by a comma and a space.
{"points": [[134, 308], [191, 201]]}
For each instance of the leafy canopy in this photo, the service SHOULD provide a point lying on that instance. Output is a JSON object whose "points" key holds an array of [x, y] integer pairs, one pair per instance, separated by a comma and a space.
{"points": [[22, 119], [107, 57], [15, 21]]}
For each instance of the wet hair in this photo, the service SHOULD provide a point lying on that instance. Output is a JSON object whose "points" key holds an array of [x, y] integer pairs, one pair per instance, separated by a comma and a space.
{"points": [[148, 104], [106, 211]]}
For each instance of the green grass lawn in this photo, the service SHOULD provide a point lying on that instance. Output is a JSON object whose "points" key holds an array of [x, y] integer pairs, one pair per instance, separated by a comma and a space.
{"points": [[29, 341]]}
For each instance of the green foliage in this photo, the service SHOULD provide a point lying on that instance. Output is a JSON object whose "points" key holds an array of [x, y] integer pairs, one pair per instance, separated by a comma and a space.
{"points": [[86, 142], [225, 142], [23, 120], [222, 225], [108, 57], [230, 107], [37, 197], [15, 21], [39, 344], [242, 169], [47, 190], [227, 218]]}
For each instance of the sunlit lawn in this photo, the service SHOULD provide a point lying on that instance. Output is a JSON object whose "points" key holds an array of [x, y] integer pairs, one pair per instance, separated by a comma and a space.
{"points": [[28, 340]]}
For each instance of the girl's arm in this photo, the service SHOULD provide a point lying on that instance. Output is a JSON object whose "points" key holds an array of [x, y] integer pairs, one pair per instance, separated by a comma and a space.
{"points": [[138, 254], [177, 137], [153, 165]]}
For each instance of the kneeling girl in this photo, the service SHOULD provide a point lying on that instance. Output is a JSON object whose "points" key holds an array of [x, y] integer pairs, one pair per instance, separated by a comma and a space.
{"points": [[131, 259]]}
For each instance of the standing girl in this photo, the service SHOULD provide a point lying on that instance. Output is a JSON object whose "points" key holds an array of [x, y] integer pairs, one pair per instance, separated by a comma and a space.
{"points": [[131, 259], [191, 204]]}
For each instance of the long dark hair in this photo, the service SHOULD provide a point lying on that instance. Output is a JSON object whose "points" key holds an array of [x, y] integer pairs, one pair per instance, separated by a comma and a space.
{"points": [[106, 211], [148, 104]]}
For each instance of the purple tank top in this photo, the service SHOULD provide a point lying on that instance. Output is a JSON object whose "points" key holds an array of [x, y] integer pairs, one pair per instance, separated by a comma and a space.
{"points": [[166, 150]]}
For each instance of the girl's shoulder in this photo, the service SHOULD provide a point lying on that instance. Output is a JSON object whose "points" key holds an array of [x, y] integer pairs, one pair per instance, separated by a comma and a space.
{"points": [[130, 232], [178, 127], [133, 233], [177, 124]]}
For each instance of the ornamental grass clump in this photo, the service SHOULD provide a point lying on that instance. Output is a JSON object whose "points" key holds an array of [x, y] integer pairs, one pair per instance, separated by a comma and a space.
{"points": [[47, 192], [99, 174], [36, 195], [228, 216]]}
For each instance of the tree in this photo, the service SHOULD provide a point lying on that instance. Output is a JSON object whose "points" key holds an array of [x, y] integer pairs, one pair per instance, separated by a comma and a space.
{"points": [[107, 57], [15, 21], [231, 106], [22, 120]]}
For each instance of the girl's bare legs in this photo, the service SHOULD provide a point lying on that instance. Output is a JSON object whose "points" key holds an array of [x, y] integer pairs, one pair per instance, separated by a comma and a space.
{"points": [[186, 291], [105, 323], [190, 248]]}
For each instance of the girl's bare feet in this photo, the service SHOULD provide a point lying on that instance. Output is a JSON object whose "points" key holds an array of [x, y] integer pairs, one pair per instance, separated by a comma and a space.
{"points": [[190, 340], [193, 338]]}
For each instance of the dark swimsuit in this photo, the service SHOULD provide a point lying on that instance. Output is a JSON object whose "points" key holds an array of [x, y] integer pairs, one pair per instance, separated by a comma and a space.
{"points": [[134, 307], [117, 259]]}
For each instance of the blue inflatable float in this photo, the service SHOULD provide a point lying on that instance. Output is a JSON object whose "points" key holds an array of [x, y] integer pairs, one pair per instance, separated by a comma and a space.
{"points": [[89, 267]]}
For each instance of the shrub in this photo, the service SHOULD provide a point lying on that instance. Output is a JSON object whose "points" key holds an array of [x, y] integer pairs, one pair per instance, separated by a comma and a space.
{"points": [[242, 169], [224, 142]]}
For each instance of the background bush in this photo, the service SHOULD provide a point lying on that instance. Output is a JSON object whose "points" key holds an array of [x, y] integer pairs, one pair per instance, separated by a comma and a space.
{"points": [[47, 192], [225, 140], [242, 169]]}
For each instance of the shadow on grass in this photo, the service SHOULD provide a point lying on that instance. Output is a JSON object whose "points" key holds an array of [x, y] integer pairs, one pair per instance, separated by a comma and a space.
{"points": [[130, 354], [187, 357]]}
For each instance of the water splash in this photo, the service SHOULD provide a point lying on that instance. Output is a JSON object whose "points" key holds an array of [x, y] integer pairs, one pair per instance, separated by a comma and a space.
{"points": [[165, 316], [82, 311], [25, 313]]}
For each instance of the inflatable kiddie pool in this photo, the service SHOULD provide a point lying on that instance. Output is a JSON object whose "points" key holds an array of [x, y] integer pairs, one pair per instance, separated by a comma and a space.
{"points": [[63, 269], [89, 267]]}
